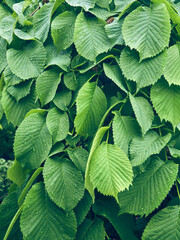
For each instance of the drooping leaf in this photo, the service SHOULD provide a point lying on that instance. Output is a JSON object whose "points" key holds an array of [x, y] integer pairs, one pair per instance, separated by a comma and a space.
{"points": [[16, 173], [144, 73], [143, 112], [172, 69], [86, 4], [63, 99], [58, 124], [33, 141], [124, 129], [110, 170], [64, 182], [149, 188], [143, 147], [27, 62], [90, 37], [147, 30], [3, 49], [164, 225], [47, 84], [7, 26], [41, 219], [62, 30], [166, 101], [91, 106]]}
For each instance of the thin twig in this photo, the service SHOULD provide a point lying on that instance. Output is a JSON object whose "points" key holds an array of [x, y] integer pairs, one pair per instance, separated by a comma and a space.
{"points": [[35, 11]]}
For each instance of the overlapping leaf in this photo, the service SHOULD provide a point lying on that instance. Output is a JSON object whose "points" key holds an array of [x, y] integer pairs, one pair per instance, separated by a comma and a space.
{"points": [[86, 4]]}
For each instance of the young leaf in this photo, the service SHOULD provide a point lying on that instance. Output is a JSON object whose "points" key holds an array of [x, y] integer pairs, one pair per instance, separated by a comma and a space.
{"points": [[110, 170], [143, 112], [91, 106], [32, 142], [58, 124], [149, 188], [86, 4], [143, 147], [41, 219], [166, 101], [90, 37], [147, 30], [64, 182]]}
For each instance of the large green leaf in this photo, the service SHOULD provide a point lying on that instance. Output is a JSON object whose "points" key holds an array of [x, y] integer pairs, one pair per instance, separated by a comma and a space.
{"points": [[172, 69], [7, 26], [166, 101], [124, 129], [4, 11], [63, 99], [110, 170], [121, 5], [47, 84], [41, 219], [90, 37], [62, 30], [27, 62], [86, 4], [10, 78], [143, 112], [64, 182], [58, 124], [143, 73], [149, 188], [103, 3], [164, 225], [147, 30], [33, 141], [143, 147], [91, 106], [3, 49]]}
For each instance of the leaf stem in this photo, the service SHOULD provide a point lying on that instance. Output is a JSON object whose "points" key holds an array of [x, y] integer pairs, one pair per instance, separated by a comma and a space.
{"points": [[177, 190]]}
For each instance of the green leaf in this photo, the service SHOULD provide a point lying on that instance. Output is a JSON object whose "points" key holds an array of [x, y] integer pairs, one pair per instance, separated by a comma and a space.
{"points": [[41, 219], [63, 99], [114, 73], [110, 170], [143, 112], [166, 101], [164, 225], [57, 148], [172, 69], [124, 129], [7, 26], [23, 35], [91, 230], [101, 13], [143, 73], [149, 188], [90, 37], [27, 62], [32, 142], [4, 11], [62, 30], [103, 3], [79, 156], [10, 78], [64, 182], [41, 21], [91, 106], [3, 49], [143, 147], [83, 207], [70, 81], [16, 111], [47, 84], [121, 5], [86, 4], [58, 124], [147, 30], [16, 173]]}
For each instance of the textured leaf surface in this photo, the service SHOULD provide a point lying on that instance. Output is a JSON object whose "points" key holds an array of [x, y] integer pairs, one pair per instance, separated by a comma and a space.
{"points": [[27, 62], [103, 4], [124, 129], [20, 90], [172, 69], [10, 78], [110, 170], [91, 106], [143, 73], [58, 124], [62, 30], [3, 61], [149, 188], [147, 30], [143, 147], [90, 37], [16, 174], [7, 26], [32, 141], [143, 112], [41, 219], [63, 99], [164, 225], [166, 101], [121, 5], [47, 84], [86, 4], [64, 182]]}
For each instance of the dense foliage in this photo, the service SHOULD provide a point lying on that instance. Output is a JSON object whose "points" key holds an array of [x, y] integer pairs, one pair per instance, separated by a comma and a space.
{"points": [[92, 90]]}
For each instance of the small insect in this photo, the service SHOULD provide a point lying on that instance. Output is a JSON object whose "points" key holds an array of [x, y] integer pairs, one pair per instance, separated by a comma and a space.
{"points": [[110, 20]]}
